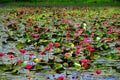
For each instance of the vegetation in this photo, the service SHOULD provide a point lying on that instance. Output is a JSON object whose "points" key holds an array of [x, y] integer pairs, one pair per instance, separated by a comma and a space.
{"points": [[62, 2]]}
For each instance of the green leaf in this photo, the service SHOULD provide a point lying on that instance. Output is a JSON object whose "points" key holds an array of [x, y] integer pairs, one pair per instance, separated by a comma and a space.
{"points": [[14, 71], [28, 36], [38, 66], [105, 47], [4, 67], [114, 56], [20, 45], [99, 45], [77, 65], [96, 57], [65, 64], [108, 56], [57, 66], [53, 39]]}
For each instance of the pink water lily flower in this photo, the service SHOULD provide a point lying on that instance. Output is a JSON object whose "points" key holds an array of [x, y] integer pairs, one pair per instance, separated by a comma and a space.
{"points": [[86, 40]]}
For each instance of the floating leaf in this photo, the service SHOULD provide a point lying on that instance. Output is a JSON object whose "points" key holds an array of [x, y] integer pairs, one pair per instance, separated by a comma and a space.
{"points": [[20, 45], [57, 66], [38, 66], [77, 65]]}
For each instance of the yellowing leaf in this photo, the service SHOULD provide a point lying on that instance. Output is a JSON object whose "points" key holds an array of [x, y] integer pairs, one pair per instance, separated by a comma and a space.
{"points": [[42, 40], [72, 45]]}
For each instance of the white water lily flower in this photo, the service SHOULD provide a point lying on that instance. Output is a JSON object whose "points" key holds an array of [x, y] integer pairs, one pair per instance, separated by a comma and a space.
{"points": [[98, 38], [84, 24]]}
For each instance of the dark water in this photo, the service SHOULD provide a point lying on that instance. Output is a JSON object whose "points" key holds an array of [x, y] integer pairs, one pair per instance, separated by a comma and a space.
{"points": [[1, 5]]}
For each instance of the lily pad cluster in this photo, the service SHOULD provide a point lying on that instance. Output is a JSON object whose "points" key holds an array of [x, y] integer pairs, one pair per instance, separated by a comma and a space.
{"points": [[58, 39]]}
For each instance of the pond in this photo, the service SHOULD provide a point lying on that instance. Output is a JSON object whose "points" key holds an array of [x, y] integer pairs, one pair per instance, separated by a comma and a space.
{"points": [[54, 43]]}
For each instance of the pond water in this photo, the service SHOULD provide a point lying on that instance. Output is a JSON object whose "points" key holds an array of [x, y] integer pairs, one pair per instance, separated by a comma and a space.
{"points": [[54, 76]]}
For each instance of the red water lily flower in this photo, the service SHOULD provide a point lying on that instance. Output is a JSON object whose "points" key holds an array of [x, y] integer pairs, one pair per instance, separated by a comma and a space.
{"points": [[85, 35], [57, 44], [27, 25], [30, 20], [60, 78], [41, 52], [117, 31], [118, 48], [11, 56], [37, 29], [98, 71], [31, 54], [19, 61], [22, 51], [47, 49], [84, 64], [86, 40], [63, 48], [50, 45], [108, 32], [32, 34], [77, 51], [28, 66], [76, 35], [118, 40], [13, 23], [84, 60], [78, 47], [67, 54], [67, 37], [1, 54], [45, 28], [36, 35], [90, 49]]}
